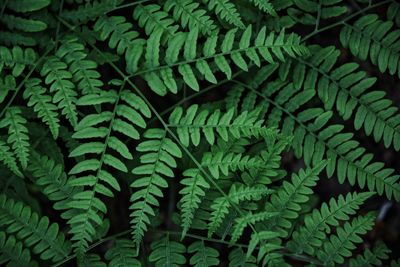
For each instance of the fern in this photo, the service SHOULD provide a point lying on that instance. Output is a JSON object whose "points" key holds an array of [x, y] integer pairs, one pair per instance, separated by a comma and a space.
{"points": [[123, 119], [203, 256], [13, 252], [372, 257], [190, 126], [122, 254], [55, 73], [42, 105], [16, 59], [168, 251], [17, 134], [340, 245], [37, 232], [190, 15], [201, 133], [156, 163], [226, 10], [371, 37], [319, 222]]}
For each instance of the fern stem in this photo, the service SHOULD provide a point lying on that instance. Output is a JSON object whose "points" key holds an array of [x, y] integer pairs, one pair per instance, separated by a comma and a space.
{"points": [[127, 5], [333, 25]]}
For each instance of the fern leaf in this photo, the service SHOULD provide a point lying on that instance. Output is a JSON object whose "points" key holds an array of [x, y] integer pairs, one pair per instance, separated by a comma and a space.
{"points": [[84, 71], [152, 18], [52, 179], [8, 158], [238, 258], [194, 186], [372, 257], [190, 15], [37, 232], [22, 24], [190, 126], [17, 134], [122, 254], [91, 260], [242, 222], [13, 252], [226, 11], [89, 11], [393, 13], [203, 256], [16, 59], [286, 201], [42, 105], [306, 11], [56, 73], [312, 141], [347, 89], [265, 6], [16, 39], [157, 162], [371, 37], [317, 223], [89, 208], [27, 5], [166, 250], [341, 244], [220, 206]]}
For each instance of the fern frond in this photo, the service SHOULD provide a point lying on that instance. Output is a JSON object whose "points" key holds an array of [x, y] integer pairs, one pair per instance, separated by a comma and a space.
{"points": [[372, 257], [166, 250], [51, 177], [251, 218], [265, 6], [286, 201], [238, 258], [226, 11], [307, 11], [313, 140], [56, 74], [348, 90], [220, 161], [7, 158], [91, 260], [89, 11], [27, 5], [157, 162], [13, 253], [203, 256], [393, 13], [42, 105], [311, 236], [37, 232], [193, 124], [340, 245], [220, 206], [16, 39], [194, 186], [191, 16], [16, 59], [157, 68], [123, 119], [17, 134], [153, 19], [22, 24], [122, 254], [267, 250], [373, 38], [84, 71]]}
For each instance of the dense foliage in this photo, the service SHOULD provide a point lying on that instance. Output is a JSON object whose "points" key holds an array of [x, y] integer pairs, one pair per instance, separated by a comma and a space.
{"points": [[197, 133]]}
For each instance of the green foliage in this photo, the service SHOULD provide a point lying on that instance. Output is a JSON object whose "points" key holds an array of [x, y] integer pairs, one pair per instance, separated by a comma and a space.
{"points": [[198, 133]]}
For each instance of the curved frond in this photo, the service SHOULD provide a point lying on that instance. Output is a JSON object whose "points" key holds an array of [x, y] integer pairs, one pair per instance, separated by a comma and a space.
{"points": [[37, 232]]}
